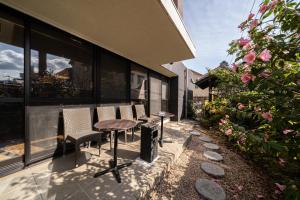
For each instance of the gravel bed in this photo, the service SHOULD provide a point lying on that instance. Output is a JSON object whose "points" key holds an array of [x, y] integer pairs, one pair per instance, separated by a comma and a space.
{"points": [[242, 180]]}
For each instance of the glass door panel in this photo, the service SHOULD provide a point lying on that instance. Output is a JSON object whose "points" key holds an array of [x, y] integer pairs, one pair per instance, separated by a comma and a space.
{"points": [[11, 90]]}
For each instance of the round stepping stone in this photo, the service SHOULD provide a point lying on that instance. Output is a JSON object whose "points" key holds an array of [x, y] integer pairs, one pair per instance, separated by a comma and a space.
{"points": [[210, 190], [213, 155], [205, 138], [196, 133], [212, 169], [211, 146]]}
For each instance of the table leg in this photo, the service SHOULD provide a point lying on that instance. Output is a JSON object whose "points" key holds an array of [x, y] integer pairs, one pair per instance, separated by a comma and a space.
{"points": [[161, 131], [113, 164]]}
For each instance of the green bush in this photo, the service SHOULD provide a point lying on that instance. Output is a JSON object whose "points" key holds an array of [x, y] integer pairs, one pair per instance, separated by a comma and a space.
{"points": [[260, 110]]}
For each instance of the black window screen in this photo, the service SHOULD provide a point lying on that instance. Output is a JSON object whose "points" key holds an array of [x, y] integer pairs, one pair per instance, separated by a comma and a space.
{"points": [[61, 66], [114, 75]]}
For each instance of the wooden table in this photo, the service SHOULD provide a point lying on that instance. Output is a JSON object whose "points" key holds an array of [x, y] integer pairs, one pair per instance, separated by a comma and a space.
{"points": [[114, 125], [162, 115]]}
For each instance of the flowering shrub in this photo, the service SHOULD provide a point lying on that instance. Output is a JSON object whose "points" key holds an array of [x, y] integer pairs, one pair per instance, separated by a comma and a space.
{"points": [[212, 112], [262, 118]]}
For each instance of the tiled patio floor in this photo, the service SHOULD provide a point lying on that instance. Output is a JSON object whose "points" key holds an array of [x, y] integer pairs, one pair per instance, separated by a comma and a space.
{"points": [[59, 179]]}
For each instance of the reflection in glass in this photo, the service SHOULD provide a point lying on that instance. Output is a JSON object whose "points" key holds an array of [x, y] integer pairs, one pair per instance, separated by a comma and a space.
{"points": [[164, 96], [113, 79], [61, 67], [11, 88], [11, 59], [155, 95], [139, 85]]}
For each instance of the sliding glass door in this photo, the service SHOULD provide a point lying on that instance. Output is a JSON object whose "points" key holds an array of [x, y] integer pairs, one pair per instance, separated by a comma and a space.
{"points": [[11, 91]]}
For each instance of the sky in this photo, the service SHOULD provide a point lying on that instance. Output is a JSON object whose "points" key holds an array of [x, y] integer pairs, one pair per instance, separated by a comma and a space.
{"points": [[212, 25]]}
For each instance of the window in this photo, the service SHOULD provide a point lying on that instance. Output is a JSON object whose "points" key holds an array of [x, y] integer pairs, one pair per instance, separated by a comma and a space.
{"points": [[11, 89], [139, 85], [61, 66], [155, 95], [11, 58], [164, 96], [114, 77]]}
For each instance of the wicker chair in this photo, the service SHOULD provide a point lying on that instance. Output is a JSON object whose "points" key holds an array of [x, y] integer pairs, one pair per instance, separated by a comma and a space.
{"points": [[107, 113], [78, 129], [141, 114], [126, 113]]}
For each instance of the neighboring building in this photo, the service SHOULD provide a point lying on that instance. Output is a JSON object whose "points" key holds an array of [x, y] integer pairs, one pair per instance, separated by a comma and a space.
{"points": [[198, 93], [82, 54]]}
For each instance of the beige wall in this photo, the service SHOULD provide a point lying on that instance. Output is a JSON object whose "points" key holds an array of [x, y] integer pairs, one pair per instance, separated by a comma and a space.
{"points": [[198, 92]]}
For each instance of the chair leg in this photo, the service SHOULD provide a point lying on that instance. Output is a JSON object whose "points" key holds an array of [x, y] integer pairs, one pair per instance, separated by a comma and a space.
{"points": [[64, 147], [125, 136], [110, 139], [132, 137], [99, 143], [77, 151]]}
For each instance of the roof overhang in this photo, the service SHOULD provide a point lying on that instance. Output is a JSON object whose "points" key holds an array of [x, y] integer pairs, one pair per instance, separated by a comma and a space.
{"points": [[148, 32], [206, 81]]}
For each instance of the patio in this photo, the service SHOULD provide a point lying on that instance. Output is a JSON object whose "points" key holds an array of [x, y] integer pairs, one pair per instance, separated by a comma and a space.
{"points": [[59, 179]]}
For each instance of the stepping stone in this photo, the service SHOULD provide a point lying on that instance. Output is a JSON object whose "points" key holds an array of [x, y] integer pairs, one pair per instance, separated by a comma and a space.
{"points": [[210, 190], [213, 155], [212, 169], [205, 139], [196, 133], [211, 146]]}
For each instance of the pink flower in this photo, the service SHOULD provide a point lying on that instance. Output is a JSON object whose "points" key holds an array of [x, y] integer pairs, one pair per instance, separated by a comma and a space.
{"points": [[244, 41], [246, 77], [222, 122], [246, 68], [280, 187], [265, 55], [286, 131], [250, 16], [248, 46], [257, 109], [241, 106], [273, 4], [234, 67], [228, 132], [281, 161], [253, 24], [250, 57], [267, 115], [265, 74], [253, 78], [263, 8]]}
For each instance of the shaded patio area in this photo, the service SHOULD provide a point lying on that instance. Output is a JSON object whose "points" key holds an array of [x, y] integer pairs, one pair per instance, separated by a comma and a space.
{"points": [[59, 179]]}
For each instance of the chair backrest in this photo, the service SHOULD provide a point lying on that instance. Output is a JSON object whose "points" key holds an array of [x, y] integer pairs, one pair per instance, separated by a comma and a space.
{"points": [[140, 111], [126, 112], [77, 120], [106, 113]]}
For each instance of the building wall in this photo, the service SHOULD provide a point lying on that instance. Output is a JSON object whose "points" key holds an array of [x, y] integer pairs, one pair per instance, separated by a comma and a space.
{"points": [[56, 70], [179, 68], [198, 92]]}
